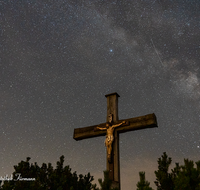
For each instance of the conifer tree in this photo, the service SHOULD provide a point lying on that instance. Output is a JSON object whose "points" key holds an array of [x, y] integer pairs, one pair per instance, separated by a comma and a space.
{"points": [[187, 176], [106, 184], [164, 179], [143, 184]]}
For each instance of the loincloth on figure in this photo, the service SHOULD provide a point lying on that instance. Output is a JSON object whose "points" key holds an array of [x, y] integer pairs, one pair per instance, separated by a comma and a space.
{"points": [[109, 138]]}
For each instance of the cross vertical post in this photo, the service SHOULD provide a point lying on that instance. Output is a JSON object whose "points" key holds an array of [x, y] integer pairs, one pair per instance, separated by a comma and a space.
{"points": [[114, 166]]}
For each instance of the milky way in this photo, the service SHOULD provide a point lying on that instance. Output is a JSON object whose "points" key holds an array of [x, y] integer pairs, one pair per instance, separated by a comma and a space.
{"points": [[58, 60]]}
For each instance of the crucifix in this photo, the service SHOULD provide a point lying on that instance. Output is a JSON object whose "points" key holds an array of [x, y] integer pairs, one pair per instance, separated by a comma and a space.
{"points": [[111, 129]]}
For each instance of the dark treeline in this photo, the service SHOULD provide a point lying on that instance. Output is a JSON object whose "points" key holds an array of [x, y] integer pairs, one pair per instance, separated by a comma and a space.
{"points": [[29, 176], [181, 177]]}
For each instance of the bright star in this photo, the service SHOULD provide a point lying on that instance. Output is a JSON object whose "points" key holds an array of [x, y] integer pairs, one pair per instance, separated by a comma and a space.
{"points": [[111, 50]]}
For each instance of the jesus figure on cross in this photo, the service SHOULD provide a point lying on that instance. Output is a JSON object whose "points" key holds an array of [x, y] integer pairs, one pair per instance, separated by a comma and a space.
{"points": [[109, 135]]}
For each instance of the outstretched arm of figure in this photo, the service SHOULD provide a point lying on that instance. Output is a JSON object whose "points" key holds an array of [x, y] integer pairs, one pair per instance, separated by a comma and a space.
{"points": [[101, 128], [117, 125]]}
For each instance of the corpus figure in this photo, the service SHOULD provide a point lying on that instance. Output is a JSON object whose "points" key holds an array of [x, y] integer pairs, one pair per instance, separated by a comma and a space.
{"points": [[110, 127]]}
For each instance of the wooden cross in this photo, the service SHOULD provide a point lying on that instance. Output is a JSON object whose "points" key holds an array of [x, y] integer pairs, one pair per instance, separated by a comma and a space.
{"points": [[147, 121]]}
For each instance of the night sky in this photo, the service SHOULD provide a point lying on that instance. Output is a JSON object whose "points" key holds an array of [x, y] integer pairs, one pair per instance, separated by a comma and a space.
{"points": [[58, 60]]}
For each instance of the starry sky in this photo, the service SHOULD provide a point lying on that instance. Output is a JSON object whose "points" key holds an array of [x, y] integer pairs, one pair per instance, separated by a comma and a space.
{"points": [[58, 60]]}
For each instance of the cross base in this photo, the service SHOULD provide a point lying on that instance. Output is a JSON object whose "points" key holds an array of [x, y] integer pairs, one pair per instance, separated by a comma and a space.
{"points": [[115, 184]]}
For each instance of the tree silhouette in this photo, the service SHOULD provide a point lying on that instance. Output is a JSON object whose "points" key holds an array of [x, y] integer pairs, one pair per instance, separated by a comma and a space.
{"points": [[185, 177], [143, 184], [164, 179], [47, 178], [106, 184]]}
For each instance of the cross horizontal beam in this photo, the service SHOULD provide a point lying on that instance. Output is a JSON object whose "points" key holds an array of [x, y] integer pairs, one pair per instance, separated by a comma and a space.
{"points": [[88, 132], [137, 123]]}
